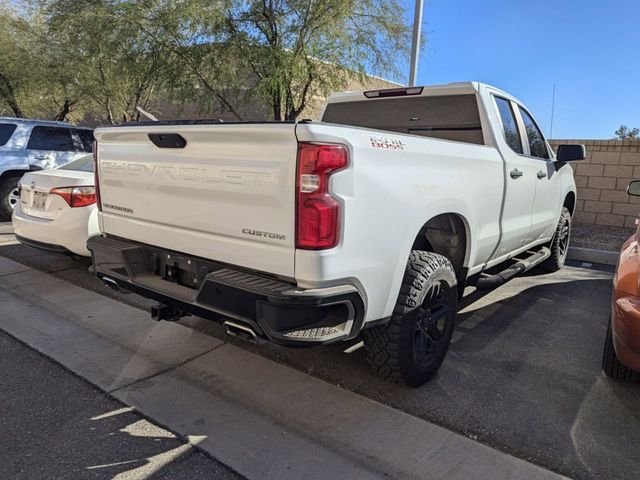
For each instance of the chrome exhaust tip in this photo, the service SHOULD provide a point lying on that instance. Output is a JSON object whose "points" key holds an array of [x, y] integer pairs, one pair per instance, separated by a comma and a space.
{"points": [[111, 283], [241, 331]]}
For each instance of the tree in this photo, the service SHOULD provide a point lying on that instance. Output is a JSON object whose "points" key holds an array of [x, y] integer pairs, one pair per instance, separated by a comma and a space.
{"points": [[60, 58], [33, 82], [117, 65], [13, 80], [626, 133], [285, 53], [301, 49], [205, 71]]}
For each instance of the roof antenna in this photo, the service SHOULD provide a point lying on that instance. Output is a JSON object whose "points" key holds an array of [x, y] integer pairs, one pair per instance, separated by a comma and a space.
{"points": [[553, 105]]}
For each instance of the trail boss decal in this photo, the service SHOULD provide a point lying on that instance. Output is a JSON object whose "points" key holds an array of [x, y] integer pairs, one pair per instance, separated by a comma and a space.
{"points": [[386, 143]]}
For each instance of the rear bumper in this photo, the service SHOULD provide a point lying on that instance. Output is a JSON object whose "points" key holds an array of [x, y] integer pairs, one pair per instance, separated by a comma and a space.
{"points": [[47, 247], [66, 234], [274, 310]]}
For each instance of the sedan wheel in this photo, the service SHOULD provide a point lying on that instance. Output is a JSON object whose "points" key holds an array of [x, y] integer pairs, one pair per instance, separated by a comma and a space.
{"points": [[14, 197]]}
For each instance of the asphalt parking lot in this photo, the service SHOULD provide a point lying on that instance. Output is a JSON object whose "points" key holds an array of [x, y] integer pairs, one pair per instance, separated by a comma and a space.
{"points": [[84, 435], [523, 373]]}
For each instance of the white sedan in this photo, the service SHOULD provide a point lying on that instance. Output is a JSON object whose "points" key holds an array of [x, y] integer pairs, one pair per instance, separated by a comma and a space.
{"points": [[57, 208]]}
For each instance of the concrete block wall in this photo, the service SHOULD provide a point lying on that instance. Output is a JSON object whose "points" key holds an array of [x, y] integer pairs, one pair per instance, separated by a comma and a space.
{"points": [[602, 181]]}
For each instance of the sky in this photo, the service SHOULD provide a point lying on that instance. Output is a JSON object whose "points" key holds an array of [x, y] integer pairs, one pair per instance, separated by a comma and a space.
{"points": [[587, 48]]}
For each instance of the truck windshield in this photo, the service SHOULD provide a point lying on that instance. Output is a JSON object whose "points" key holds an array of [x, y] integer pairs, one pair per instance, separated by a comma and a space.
{"points": [[449, 117]]}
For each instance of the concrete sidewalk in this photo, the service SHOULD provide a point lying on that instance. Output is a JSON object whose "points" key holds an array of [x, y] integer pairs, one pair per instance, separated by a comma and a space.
{"points": [[262, 419]]}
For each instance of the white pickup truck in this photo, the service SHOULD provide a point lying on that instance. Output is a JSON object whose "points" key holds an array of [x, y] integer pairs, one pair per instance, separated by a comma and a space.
{"points": [[370, 222]]}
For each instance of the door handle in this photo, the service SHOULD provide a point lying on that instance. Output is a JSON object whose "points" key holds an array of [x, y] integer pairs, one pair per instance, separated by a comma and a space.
{"points": [[42, 157], [515, 173], [541, 174]]}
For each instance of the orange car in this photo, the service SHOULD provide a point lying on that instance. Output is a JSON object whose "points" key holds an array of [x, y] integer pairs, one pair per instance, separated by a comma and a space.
{"points": [[621, 357]]}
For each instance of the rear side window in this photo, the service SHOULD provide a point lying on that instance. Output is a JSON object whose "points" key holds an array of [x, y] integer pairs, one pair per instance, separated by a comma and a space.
{"points": [[6, 130], [509, 125], [537, 145], [51, 138], [86, 138], [448, 117]]}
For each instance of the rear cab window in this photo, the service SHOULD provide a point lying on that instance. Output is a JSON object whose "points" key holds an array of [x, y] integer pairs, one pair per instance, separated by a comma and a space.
{"points": [[6, 131], [447, 117], [51, 138]]}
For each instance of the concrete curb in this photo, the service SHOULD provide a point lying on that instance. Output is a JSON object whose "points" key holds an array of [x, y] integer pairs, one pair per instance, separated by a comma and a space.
{"points": [[262, 419], [6, 234], [592, 255]]}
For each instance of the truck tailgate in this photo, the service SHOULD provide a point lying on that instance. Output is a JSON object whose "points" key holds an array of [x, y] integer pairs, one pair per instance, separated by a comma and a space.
{"points": [[228, 194]]}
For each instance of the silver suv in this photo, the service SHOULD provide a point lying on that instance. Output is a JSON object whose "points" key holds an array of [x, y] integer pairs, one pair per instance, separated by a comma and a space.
{"points": [[27, 145]]}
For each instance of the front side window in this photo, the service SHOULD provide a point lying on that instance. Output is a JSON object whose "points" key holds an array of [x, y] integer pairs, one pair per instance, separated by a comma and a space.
{"points": [[537, 145], [51, 138], [509, 125], [6, 130]]}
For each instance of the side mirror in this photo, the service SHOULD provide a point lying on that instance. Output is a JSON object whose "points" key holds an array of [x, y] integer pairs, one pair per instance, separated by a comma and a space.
{"points": [[571, 153], [634, 188]]}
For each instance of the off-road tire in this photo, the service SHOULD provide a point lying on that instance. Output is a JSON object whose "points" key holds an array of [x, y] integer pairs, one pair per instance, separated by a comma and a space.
{"points": [[559, 245], [399, 349], [7, 186], [611, 366]]}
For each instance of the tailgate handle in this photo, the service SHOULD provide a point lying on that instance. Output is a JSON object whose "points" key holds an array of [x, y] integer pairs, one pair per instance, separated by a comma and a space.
{"points": [[168, 140]]}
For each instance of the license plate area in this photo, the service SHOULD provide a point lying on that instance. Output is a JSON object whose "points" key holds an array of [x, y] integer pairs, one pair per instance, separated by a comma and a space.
{"points": [[148, 265], [39, 200], [182, 270]]}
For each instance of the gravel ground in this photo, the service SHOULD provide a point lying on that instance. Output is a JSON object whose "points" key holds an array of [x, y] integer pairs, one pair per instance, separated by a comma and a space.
{"points": [[599, 237]]}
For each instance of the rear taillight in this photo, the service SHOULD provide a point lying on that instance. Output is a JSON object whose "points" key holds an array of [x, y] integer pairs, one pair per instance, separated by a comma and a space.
{"points": [[95, 175], [76, 196], [318, 213]]}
